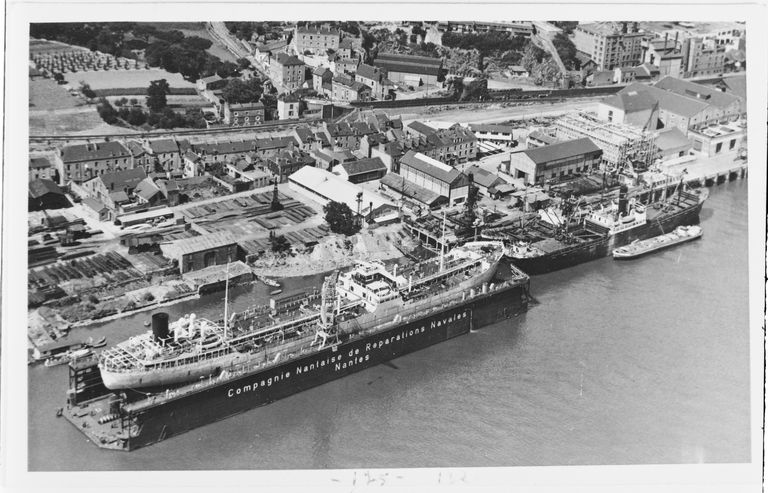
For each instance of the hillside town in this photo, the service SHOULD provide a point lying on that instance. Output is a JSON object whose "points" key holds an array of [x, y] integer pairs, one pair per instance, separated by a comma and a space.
{"points": [[300, 148]]}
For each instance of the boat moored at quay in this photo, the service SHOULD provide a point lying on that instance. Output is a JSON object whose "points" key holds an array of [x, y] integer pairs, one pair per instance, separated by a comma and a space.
{"points": [[681, 234], [576, 233], [191, 372]]}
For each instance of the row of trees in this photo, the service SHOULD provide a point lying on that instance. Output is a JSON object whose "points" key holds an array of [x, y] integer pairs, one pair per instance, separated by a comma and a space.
{"points": [[489, 43]]}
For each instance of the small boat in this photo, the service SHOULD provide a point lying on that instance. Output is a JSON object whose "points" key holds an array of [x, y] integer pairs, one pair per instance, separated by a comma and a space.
{"points": [[57, 360], [276, 291], [101, 342], [269, 282], [80, 353], [681, 234], [59, 412], [147, 323]]}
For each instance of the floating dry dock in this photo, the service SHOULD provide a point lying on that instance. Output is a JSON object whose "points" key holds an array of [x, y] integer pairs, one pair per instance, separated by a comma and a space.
{"points": [[128, 419]]}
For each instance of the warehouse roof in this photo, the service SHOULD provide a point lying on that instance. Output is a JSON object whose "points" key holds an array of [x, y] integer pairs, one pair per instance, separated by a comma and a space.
{"points": [[561, 150], [710, 95], [185, 246], [668, 100], [631, 101], [362, 166], [431, 167], [411, 190], [335, 188], [482, 177]]}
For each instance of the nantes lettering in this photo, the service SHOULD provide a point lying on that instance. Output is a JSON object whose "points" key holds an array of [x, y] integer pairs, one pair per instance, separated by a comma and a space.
{"points": [[341, 361]]}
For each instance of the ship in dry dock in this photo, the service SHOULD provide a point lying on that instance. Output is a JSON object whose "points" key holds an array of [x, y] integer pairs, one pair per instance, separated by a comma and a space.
{"points": [[193, 371]]}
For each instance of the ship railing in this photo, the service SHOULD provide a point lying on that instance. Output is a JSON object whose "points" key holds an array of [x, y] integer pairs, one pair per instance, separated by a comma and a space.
{"points": [[286, 351]]}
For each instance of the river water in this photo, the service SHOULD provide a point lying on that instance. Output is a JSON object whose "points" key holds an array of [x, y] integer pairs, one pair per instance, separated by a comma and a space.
{"points": [[638, 362]]}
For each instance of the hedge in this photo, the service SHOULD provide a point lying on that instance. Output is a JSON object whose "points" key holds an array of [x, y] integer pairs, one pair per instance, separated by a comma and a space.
{"points": [[142, 91]]}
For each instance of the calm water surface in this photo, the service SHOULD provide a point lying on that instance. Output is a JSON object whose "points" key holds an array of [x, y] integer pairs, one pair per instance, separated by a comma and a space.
{"points": [[637, 362]]}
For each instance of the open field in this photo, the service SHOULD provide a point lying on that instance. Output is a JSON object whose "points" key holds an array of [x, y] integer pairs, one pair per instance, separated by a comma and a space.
{"points": [[46, 94], [126, 78], [53, 123]]}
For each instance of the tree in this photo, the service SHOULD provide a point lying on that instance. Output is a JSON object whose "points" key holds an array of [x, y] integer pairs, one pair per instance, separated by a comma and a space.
{"points": [[106, 111], [279, 243], [243, 63], [86, 90], [58, 76], [240, 91], [340, 218], [566, 50], [156, 93], [136, 117]]}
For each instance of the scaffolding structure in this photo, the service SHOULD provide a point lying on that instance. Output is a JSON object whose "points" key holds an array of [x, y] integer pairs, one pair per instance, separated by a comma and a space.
{"points": [[621, 144]]}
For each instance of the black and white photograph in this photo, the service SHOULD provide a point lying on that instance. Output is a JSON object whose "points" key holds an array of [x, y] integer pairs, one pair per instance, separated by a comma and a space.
{"points": [[422, 246]]}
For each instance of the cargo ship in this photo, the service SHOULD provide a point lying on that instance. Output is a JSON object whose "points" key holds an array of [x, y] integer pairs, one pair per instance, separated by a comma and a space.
{"points": [[681, 234], [574, 233], [191, 372]]}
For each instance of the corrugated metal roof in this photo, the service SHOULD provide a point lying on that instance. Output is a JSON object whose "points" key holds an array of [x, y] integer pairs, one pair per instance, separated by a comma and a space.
{"points": [[185, 246], [421, 163], [562, 150]]}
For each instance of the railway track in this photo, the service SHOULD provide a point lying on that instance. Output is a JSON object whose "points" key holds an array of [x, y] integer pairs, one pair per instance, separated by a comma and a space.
{"points": [[264, 127]]}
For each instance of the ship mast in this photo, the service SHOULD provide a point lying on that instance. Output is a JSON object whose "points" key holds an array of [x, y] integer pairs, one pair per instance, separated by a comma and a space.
{"points": [[442, 245], [226, 303]]}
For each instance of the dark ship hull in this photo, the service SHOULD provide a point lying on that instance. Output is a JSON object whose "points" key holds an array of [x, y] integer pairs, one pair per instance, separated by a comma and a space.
{"points": [[139, 420], [604, 245]]}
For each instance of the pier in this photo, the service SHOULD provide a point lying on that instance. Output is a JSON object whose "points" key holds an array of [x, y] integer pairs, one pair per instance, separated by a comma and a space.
{"points": [[714, 171]]}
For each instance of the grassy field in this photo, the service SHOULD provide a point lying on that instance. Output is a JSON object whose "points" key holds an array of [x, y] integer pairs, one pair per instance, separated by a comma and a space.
{"points": [[46, 94], [64, 123], [126, 78]]}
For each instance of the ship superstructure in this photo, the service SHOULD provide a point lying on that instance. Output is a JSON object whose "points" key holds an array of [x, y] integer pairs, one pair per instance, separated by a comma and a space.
{"points": [[352, 302]]}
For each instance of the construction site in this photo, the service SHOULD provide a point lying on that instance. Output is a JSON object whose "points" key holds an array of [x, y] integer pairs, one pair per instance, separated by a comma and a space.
{"points": [[621, 144]]}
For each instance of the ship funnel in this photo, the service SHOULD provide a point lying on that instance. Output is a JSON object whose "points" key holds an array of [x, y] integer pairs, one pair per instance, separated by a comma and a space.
{"points": [[191, 326], [160, 325], [485, 288], [623, 200]]}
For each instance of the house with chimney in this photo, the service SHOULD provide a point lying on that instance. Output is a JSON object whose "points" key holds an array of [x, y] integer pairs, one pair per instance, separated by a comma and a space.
{"points": [[82, 162], [115, 190], [165, 155]]}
